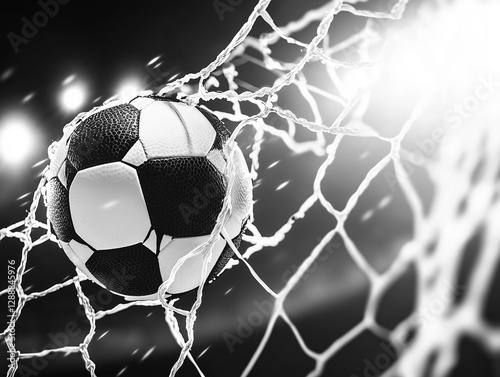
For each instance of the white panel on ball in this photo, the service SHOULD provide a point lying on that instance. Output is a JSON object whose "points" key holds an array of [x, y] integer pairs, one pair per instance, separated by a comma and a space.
{"points": [[136, 155], [200, 133], [164, 241], [233, 225], [189, 275], [107, 206], [83, 251], [242, 189], [62, 174], [164, 134], [150, 243]]}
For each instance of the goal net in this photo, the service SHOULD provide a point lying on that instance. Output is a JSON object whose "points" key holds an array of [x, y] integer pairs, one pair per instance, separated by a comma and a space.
{"points": [[371, 129]]}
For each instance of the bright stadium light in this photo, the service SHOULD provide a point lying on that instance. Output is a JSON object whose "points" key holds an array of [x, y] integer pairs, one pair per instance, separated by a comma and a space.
{"points": [[129, 86], [73, 97], [17, 140], [355, 80], [449, 48]]}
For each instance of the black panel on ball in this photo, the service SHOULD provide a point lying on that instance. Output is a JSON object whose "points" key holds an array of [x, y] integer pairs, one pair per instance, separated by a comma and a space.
{"points": [[131, 270], [58, 210], [162, 98], [222, 132], [183, 195], [105, 136]]}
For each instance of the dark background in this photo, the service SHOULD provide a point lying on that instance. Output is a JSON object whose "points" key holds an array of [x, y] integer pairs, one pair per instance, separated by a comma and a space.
{"points": [[104, 42]]}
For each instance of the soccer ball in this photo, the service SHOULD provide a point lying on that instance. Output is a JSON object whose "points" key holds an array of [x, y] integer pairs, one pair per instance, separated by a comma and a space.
{"points": [[135, 185]]}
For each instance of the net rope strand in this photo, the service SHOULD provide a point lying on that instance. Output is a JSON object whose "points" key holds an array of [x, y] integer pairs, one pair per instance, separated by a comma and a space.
{"points": [[428, 230]]}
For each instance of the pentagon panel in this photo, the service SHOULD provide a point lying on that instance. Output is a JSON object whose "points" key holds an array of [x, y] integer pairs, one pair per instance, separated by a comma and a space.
{"points": [[105, 136], [131, 271]]}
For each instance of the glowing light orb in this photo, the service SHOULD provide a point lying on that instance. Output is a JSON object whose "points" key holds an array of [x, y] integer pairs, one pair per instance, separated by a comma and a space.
{"points": [[354, 81], [129, 87], [17, 139], [73, 97]]}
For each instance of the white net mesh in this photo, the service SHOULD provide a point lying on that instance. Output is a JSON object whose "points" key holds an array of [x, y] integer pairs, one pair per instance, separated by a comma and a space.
{"points": [[463, 172]]}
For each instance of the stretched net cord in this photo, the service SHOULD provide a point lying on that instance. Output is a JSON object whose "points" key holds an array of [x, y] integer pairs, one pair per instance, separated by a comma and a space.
{"points": [[442, 228]]}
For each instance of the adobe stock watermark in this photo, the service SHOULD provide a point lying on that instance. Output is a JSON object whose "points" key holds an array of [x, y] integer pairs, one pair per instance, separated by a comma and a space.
{"points": [[11, 306], [71, 330], [454, 118], [31, 27], [485, 89], [436, 308], [200, 200], [224, 6], [263, 309], [57, 340], [247, 326]]}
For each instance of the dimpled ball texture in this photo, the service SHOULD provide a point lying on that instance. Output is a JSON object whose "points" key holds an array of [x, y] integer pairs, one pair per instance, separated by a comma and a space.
{"points": [[135, 185]]}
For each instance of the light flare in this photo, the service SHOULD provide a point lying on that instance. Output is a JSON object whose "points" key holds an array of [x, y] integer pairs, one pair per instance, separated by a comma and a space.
{"points": [[18, 139]]}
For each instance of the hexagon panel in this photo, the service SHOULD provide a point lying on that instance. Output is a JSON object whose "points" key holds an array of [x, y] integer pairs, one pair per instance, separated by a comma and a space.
{"points": [[173, 129], [107, 206]]}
